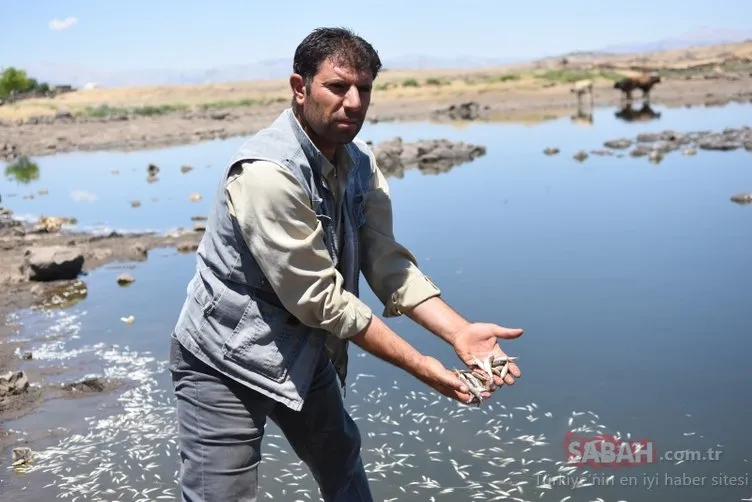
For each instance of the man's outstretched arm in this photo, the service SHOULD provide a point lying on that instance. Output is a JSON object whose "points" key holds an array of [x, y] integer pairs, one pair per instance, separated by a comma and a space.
{"points": [[286, 238], [393, 274]]}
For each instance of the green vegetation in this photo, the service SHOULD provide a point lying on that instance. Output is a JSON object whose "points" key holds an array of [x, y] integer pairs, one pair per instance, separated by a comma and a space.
{"points": [[737, 66], [144, 111], [105, 110], [23, 171], [438, 82], [229, 103], [410, 82], [13, 79], [504, 77], [569, 76]]}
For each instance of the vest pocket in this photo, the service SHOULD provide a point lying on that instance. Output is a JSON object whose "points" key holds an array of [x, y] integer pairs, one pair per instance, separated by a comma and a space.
{"points": [[266, 340]]}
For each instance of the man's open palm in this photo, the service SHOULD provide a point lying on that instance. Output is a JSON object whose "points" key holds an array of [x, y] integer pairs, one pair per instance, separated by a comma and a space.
{"points": [[478, 340]]}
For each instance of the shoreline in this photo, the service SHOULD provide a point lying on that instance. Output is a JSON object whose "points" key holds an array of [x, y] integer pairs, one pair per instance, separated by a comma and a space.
{"points": [[49, 135], [22, 293]]}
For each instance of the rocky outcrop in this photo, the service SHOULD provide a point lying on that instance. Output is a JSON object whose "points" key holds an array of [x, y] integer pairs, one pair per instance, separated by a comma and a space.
{"points": [[13, 383], [655, 145], [429, 156], [52, 263], [742, 198], [467, 110]]}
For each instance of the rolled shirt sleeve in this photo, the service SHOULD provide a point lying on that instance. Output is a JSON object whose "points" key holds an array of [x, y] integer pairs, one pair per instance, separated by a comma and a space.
{"points": [[286, 239], [390, 269]]}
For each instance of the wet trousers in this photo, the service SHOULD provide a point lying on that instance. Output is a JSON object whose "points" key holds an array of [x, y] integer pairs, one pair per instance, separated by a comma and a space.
{"points": [[221, 427]]}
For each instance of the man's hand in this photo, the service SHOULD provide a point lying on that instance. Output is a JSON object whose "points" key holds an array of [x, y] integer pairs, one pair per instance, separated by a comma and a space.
{"points": [[477, 341], [435, 375]]}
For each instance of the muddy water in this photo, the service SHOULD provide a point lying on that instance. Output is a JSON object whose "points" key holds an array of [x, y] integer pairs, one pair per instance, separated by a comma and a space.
{"points": [[630, 278]]}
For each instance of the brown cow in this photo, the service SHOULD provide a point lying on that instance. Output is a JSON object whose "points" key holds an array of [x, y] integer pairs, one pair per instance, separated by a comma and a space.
{"points": [[643, 82]]}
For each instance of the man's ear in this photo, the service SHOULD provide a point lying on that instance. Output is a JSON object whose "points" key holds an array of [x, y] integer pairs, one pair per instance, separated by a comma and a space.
{"points": [[297, 84]]}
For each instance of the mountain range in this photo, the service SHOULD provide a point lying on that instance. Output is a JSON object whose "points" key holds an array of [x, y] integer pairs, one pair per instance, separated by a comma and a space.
{"points": [[279, 68]]}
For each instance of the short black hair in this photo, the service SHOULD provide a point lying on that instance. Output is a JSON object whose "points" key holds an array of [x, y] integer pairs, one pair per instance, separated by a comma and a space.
{"points": [[340, 45]]}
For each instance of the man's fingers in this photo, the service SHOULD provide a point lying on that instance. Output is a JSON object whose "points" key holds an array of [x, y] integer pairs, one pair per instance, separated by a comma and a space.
{"points": [[514, 370], [453, 382], [508, 333]]}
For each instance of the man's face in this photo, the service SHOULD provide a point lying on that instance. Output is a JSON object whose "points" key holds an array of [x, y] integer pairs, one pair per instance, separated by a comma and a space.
{"points": [[335, 107]]}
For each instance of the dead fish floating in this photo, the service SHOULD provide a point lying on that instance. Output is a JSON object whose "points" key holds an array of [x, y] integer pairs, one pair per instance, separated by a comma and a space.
{"points": [[480, 382]]}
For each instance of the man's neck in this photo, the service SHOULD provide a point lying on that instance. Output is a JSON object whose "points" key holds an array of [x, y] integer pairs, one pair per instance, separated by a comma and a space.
{"points": [[328, 150]]}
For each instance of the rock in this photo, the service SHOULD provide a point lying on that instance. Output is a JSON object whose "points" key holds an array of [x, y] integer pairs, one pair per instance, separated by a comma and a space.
{"points": [[468, 110], [199, 227], [580, 156], [690, 151], [22, 455], [153, 169], [619, 144], [13, 383], [135, 203], [52, 224], [394, 156], [656, 156], [186, 247], [648, 137], [139, 251], [63, 115], [88, 385], [742, 198], [194, 197], [551, 150], [185, 169], [125, 279], [715, 142], [27, 356], [640, 151], [51, 263]]}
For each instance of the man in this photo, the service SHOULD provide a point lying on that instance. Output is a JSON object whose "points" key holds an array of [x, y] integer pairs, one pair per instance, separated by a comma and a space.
{"points": [[301, 210]]}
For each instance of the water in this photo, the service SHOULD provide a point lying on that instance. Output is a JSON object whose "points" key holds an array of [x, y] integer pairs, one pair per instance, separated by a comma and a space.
{"points": [[631, 280]]}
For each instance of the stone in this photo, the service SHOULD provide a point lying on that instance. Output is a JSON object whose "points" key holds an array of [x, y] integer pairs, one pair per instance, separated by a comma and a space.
{"points": [[13, 383], [618, 144], [52, 263], [125, 279]]}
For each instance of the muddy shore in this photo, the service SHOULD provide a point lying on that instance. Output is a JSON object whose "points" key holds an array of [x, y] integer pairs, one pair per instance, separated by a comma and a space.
{"points": [[51, 134], [19, 292]]}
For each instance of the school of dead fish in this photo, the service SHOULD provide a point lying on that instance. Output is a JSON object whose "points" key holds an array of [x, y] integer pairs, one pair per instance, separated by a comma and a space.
{"points": [[417, 445]]}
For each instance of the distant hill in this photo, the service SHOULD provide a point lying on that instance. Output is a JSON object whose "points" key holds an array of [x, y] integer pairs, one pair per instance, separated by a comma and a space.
{"points": [[280, 68], [701, 37]]}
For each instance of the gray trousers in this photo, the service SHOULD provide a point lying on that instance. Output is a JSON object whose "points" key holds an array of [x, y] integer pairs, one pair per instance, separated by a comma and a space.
{"points": [[221, 427]]}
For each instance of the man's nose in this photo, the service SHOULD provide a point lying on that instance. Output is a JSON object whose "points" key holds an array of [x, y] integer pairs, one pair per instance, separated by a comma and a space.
{"points": [[352, 98]]}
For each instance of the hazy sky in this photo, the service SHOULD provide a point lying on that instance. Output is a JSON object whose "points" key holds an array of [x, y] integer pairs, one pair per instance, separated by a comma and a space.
{"points": [[138, 34]]}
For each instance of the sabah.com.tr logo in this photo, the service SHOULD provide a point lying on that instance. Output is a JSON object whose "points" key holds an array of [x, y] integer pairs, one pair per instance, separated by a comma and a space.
{"points": [[606, 450]]}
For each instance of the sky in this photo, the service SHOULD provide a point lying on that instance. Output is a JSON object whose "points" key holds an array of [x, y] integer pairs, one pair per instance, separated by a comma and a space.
{"points": [[192, 34]]}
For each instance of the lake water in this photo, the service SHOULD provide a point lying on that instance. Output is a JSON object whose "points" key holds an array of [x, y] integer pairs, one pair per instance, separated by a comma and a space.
{"points": [[631, 280]]}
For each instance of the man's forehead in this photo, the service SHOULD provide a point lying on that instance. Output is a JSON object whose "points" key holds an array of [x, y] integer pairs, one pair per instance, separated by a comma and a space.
{"points": [[330, 69]]}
